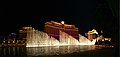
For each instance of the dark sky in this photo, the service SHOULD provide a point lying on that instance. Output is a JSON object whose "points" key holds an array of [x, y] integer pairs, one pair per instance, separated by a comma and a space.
{"points": [[85, 14]]}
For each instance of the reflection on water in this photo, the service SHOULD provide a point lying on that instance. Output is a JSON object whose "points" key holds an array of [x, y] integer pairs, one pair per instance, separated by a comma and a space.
{"points": [[40, 51], [12, 51]]}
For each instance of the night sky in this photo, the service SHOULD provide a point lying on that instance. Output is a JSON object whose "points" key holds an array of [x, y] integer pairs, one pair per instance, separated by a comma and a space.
{"points": [[85, 14]]}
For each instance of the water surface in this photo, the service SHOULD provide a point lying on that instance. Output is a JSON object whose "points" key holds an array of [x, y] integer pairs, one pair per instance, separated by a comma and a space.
{"points": [[52, 51]]}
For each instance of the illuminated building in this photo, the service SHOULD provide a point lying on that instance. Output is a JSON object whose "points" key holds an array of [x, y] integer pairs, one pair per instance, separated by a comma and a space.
{"points": [[53, 28], [23, 33], [92, 34]]}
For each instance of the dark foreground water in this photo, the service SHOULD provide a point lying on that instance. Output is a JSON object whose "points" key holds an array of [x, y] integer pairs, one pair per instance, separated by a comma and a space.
{"points": [[57, 51]]}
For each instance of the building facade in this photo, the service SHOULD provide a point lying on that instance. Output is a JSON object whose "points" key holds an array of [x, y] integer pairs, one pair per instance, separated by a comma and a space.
{"points": [[53, 28], [23, 33]]}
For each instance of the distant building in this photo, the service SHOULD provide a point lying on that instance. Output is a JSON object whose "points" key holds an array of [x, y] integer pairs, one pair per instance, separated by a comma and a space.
{"points": [[92, 34], [52, 28], [23, 32]]}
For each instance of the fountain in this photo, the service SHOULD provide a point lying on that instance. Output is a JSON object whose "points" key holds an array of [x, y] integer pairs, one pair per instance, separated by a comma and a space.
{"points": [[36, 38], [84, 41], [66, 39]]}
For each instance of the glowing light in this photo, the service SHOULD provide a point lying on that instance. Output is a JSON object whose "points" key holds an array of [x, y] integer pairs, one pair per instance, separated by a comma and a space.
{"points": [[62, 22], [93, 32], [102, 39], [101, 31]]}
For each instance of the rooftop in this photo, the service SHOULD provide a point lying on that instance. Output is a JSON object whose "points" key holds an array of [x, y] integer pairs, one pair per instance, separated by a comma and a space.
{"points": [[57, 24]]}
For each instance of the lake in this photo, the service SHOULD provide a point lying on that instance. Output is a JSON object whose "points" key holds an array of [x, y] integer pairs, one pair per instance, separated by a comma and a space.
{"points": [[58, 51]]}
